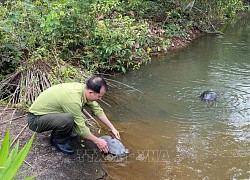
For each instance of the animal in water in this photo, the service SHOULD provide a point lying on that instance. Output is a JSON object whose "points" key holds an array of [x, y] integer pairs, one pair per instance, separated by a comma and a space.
{"points": [[208, 96], [115, 146]]}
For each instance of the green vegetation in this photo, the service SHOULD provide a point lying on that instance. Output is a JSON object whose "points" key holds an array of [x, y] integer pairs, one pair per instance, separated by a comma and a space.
{"points": [[11, 161], [43, 42], [107, 34]]}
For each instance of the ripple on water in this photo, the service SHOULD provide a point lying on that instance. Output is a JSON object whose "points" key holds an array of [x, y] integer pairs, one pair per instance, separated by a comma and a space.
{"points": [[203, 140]]}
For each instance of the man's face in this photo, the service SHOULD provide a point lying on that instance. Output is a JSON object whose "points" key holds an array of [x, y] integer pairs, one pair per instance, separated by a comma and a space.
{"points": [[93, 96]]}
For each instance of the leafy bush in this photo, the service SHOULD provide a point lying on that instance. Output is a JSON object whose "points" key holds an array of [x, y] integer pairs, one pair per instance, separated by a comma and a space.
{"points": [[178, 17], [116, 43], [106, 34], [11, 161], [70, 30]]}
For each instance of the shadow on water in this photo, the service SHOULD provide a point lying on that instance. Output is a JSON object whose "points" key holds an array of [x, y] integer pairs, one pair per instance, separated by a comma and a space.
{"points": [[169, 131]]}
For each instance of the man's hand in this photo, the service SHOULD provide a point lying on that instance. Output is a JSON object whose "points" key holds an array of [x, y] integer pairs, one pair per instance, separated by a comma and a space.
{"points": [[105, 120], [116, 133], [102, 145]]}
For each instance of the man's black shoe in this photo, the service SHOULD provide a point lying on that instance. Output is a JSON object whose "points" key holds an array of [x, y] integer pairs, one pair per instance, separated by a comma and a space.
{"points": [[73, 135], [65, 148]]}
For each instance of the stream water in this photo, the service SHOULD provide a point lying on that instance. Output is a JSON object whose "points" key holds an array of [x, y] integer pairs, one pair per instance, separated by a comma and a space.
{"points": [[171, 134]]}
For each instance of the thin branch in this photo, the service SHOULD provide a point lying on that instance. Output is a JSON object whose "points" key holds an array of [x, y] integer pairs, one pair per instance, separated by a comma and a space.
{"points": [[215, 31], [2, 113], [14, 119], [124, 85], [105, 103], [12, 116], [89, 115], [19, 135], [28, 164]]}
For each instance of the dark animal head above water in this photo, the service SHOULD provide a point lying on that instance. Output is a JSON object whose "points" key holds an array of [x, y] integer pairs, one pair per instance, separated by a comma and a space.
{"points": [[209, 95]]}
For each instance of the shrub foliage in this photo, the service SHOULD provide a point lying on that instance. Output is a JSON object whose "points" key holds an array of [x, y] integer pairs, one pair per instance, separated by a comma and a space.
{"points": [[98, 34]]}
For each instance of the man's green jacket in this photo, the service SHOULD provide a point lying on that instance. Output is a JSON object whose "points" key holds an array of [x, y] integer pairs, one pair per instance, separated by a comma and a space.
{"points": [[66, 98]]}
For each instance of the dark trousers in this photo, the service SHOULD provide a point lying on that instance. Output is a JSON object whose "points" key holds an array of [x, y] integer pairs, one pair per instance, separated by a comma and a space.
{"points": [[60, 124]]}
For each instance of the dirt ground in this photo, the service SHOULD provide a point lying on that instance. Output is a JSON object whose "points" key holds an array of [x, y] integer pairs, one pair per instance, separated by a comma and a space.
{"points": [[44, 161]]}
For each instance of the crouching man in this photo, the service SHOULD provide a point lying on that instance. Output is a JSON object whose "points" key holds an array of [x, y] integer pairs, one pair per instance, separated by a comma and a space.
{"points": [[59, 108]]}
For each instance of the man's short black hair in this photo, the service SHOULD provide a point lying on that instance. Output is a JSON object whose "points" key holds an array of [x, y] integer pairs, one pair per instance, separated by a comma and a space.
{"points": [[95, 83]]}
